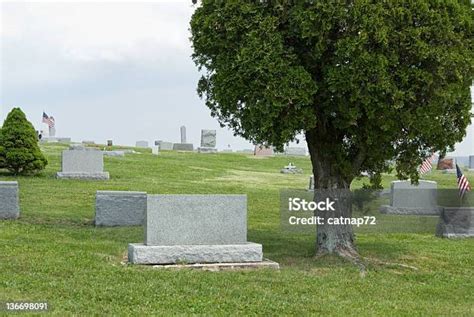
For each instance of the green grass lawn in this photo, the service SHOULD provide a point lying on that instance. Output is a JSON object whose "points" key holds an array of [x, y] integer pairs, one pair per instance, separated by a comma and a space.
{"points": [[54, 253]]}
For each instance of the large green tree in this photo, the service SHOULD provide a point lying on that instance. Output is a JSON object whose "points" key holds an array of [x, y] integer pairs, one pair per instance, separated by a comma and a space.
{"points": [[19, 150], [366, 81]]}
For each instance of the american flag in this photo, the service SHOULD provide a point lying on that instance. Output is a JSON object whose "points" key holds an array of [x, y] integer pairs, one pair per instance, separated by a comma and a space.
{"points": [[48, 120], [463, 183], [426, 166]]}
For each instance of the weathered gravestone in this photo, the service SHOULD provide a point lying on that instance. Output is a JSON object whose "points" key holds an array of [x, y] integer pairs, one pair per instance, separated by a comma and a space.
{"points": [[164, 146], [183, 147], [9, 201], [141, 144], [119, 208], [82, 163], [155, 150], [311, 183], [110, 143], [195, 229], [408, 199], [456, 222], [208, 141]]}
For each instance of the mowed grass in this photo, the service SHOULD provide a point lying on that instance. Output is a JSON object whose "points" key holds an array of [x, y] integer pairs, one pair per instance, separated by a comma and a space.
{"points": [[54, 253]]}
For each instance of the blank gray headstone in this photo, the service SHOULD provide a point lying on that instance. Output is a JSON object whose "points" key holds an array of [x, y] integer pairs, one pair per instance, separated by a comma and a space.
{"points": [[196, 219], [183, 147], [83, 164], [9, 201], [405, 198], [165, 146], [141, 144], [456, 222], [119, 208]]}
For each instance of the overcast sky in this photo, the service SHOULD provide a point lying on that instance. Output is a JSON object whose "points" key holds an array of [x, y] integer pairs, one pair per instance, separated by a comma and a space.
{"points": [[108, 70]]}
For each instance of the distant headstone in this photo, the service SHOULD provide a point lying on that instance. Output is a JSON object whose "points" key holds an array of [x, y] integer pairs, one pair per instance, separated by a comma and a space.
{"points": [[195, 229], [77, 147], [246, 151], [165, 146], [295, 151], [83, 164], [208, 141], [118, 208], [208, 138], [183, 134], [114, 153], [9, 201], [183, 147], [141, 144], [110, 143], [261, 150], [408, 199], [456, 222], [155, 150], [64, 140]]}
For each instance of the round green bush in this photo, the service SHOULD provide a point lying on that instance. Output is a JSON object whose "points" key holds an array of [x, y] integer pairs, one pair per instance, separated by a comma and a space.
{"points": [[19, 150]]}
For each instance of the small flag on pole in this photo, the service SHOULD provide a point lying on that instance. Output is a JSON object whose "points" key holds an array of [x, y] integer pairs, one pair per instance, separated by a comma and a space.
{"points": [[426, 166], [463, 183], [48, 120]]}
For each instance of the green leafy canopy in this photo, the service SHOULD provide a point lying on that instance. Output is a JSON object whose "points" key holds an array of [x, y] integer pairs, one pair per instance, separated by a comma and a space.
{"points": [[366, 81]]}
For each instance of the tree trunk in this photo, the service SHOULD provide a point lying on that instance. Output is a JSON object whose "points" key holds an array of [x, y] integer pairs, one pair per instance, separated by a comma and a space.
{"points": [[441, 157], [329, 182]]}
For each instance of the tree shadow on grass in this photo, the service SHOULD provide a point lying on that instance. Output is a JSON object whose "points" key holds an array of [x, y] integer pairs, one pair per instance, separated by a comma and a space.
{"points": [[298, 249]]}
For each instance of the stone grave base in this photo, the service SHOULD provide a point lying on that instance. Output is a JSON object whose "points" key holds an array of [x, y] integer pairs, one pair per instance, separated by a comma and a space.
{"points": [[72, 175], [265, 264], [207, 150], [386, 209], [139, 253], [456, 222]]}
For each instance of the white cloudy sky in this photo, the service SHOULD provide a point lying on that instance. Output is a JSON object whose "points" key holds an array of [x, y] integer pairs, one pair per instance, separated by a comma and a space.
{"points": [[105, 70]]}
